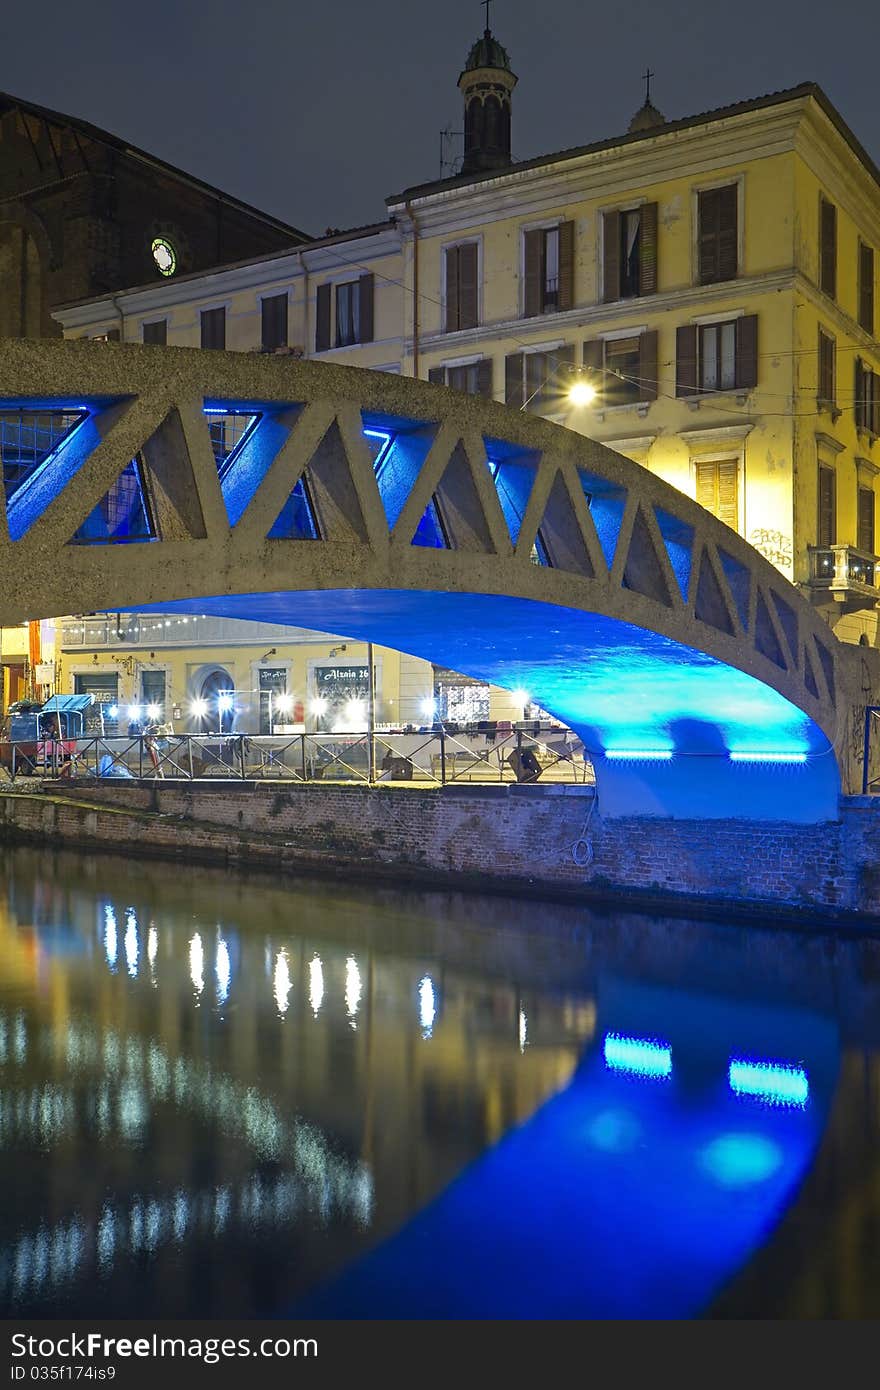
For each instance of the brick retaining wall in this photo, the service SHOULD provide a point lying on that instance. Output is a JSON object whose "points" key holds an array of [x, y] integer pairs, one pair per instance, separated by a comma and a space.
{"points": [[501, 838]]}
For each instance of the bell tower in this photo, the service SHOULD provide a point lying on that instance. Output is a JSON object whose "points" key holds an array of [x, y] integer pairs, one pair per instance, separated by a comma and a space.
{"points": [[486, 84]]}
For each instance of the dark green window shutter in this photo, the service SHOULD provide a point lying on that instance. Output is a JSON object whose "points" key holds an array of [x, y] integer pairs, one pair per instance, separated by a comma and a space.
{"points": [[273, 315], [717, 236], [513, 379], [866, 288], [859, 411], [437, 375], [534, 274], [322, 318], [156, 332], [648, 249], [826, 529], [484, 378], [452, 289], [214, 328], [826, 368], [467, 285], [827, 247], [747, 351], [611, 256], [648, 365], [566, 266], [365, 294], [865, 536], [686, 360]]}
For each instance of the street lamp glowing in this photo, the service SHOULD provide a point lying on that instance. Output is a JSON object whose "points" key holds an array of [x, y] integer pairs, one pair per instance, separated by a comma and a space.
{"points": [[284, 703], [521, 698], [134, 711], [429, 708], [581, 393], [224, 703], [153, 711], [318, 706], [199, 708]]}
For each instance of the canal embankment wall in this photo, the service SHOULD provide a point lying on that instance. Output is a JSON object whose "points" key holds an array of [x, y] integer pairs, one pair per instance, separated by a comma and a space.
{"points": [[514, 839]]}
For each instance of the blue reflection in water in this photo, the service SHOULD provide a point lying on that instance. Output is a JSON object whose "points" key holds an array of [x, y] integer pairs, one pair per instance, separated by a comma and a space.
{"points": [[620, 1197], [773, 1082]]}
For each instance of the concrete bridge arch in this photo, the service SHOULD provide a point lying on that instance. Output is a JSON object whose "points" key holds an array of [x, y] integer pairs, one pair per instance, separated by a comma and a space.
{"points": [[498, 544]]}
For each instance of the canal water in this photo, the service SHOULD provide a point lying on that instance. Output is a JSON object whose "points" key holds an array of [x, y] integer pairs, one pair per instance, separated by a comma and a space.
{"points": [[221, 1096]]}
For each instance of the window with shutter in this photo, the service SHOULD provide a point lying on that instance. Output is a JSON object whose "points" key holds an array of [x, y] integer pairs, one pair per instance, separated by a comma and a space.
{"points": [[462, 288], [365, 309], [630, 252], [827, 522], [622, 371], [717, 489], [865, 538], [866, 288], [686, 360], [727, 356], [867, 399], [717, 234], [826, 369], [549, 270], [214, 328], [827, 247], [156, 332], [274, 322], [348, 313]]}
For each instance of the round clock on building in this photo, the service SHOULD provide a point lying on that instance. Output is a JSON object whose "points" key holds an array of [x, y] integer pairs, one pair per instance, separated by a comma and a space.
{"points": [[164, 255]]}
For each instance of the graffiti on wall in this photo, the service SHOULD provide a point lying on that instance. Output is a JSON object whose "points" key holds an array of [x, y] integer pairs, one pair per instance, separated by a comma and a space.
{"points": [[773, 545]]}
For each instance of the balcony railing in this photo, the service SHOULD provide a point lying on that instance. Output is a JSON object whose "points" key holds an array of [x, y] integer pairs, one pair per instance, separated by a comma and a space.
{"points": [[844, 572]]}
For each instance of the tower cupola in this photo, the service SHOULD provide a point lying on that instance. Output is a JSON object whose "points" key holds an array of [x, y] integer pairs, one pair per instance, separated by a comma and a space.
{"points": [[486, 85]]}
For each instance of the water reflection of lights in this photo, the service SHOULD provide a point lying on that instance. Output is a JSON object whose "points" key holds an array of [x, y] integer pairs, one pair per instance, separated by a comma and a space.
{"points": [[131, 942], [152, 949], [197, 963], [741, 1160], [283, 983], [615, 1131], [111, 945], [640, 1056], [427, 1005], [775, 1083], [523, 1030], [222, 970], [53, 1256], [352, 989], [316, 984]]}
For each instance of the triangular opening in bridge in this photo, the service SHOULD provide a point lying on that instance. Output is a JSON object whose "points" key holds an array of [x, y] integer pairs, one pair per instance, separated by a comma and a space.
{"points": [[766, 641], [456, 510], [739, 582], [607, 504], [28, 438], [174, 499], [678, 538], [560, 541], [643, 571], [123, 515], [399, 449], [826, 660], [788, 622], [809, 678], [228, 430], [513, 471], [710, 605], [296, 521], [331, 492]]}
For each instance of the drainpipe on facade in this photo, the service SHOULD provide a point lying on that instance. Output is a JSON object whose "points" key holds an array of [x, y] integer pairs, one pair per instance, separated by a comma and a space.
{"points": [[415, 312]]}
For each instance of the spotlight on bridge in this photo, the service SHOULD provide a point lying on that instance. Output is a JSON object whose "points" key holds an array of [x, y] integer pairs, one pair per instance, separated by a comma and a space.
{"points": [[199, 708], [224, 702], [318, 706], [429, 708], [153, 711], [134, 711], [284, 703], [521, 698]]}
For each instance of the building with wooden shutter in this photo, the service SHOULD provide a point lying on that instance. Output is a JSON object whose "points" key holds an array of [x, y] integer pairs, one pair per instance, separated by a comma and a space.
{"points": [[714, 277]]}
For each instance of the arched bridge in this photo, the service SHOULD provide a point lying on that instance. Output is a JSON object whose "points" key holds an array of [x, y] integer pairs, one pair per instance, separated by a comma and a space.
{"points": [[494, 543]]}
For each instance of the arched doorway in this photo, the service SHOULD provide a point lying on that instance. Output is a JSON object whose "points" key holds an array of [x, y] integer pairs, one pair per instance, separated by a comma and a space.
{"points": [[21, 283], [214, 704]]}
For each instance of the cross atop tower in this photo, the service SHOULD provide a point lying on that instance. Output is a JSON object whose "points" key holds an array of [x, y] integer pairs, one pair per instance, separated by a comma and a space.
{"points": [[486, 3], [647, 75]]}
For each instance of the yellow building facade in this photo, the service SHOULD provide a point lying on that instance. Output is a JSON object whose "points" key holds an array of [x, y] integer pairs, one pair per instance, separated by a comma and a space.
{"points": [[712, 280]]}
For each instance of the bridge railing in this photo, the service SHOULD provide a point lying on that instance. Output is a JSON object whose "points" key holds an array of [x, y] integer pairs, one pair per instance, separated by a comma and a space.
{"points": [[436, 757]]}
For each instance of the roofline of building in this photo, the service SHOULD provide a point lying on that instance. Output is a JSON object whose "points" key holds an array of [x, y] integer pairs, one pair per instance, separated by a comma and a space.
{"points": [[104, 137], [314, 244], [804, 89]]}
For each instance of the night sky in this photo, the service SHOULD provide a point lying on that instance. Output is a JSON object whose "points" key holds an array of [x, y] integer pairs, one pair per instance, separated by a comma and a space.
{"points": [[315, 112]]}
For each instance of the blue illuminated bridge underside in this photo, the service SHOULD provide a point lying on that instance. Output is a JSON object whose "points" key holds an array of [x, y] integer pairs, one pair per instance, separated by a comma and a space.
{"points": [[654, 715]]}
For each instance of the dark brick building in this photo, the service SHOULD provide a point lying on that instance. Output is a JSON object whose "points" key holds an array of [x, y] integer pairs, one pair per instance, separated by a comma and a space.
{"points": [[83, 213]]}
